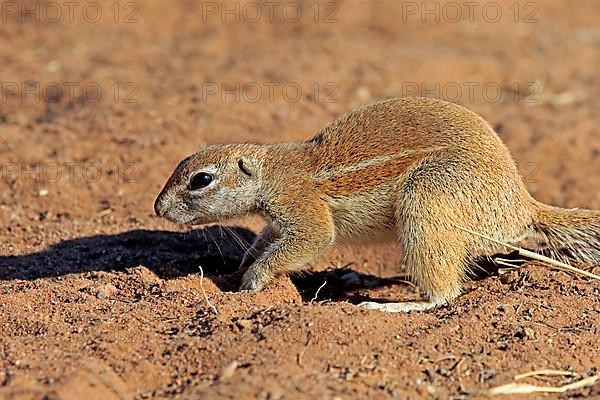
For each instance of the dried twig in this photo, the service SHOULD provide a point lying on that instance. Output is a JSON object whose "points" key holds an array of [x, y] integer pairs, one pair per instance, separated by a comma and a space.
{"points": [[213, 308], [317, 292], [104, 213], [301, 354]]}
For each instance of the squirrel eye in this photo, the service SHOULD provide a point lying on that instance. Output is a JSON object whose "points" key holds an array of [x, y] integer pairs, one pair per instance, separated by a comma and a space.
{"points": [[200, 180]]}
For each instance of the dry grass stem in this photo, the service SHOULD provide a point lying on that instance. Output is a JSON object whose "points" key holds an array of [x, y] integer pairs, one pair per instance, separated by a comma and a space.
{"points": [[545, 372], [523, 388], [317, 292], [213, 308], [535, 256]]}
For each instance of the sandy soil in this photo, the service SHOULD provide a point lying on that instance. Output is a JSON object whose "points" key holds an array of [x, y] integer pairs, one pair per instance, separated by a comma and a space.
{"points": [[100, 299]]}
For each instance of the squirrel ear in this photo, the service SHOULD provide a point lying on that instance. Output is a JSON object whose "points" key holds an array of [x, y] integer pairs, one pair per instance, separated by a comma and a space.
{"points": [[245, 167]]}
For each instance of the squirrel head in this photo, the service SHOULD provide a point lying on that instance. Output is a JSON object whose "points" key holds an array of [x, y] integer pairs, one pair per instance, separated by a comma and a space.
{"points": [[217, 183]]}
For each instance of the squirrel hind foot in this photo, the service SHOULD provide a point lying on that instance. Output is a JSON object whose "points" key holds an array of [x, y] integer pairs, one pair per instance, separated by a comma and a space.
{"points": [[398, 307]]}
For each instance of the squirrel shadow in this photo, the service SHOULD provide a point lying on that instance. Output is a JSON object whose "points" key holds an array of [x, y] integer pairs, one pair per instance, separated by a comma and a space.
{"points": [[218, 249], [345, 284]]}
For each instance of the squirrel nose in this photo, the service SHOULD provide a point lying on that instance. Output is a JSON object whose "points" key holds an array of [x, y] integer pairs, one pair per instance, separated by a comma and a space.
{"points": [[159, 206]]}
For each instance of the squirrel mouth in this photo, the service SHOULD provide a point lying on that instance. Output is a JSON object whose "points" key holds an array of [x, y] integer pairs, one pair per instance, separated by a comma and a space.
{"points": [[176, 219], [194, 221]]}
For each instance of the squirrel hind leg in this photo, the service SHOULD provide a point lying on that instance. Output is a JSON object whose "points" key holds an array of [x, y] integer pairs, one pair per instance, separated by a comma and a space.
{"points": [[437, 264], [435, 256], [436, 253]]}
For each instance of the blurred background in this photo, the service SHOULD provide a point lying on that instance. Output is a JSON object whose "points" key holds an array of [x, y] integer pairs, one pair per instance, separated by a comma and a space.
{"points": [[122, 91]]}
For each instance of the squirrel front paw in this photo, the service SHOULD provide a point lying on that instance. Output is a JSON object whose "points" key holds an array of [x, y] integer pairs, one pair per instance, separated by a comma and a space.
{"points": [[253, 281]]}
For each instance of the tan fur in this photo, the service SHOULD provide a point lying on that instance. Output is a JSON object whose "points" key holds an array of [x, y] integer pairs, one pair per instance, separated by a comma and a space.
{"points": [[409, 168]]}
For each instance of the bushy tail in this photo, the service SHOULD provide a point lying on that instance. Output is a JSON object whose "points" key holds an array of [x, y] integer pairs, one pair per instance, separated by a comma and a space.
{"points": [[569, 234]]}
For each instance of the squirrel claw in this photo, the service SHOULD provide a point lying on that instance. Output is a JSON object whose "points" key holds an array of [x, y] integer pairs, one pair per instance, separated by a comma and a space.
{"points": [[250, 285]]}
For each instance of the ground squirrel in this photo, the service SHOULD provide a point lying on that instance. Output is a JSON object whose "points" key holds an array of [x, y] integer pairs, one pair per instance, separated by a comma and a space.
{"points": [[409, 169]]}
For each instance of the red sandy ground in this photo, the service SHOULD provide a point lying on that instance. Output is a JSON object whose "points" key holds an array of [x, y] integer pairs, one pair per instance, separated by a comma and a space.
{"points": [[100, 299]]}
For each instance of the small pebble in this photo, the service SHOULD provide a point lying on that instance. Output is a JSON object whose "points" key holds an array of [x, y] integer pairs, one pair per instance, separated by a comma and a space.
{"points": [[243, 323], [106, 291], [228, 371]]}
